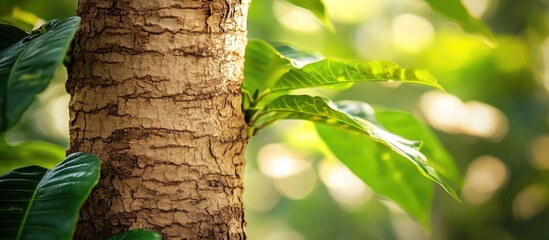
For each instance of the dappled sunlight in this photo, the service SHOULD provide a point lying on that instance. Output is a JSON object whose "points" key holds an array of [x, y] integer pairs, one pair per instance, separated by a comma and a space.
{"points": [[545, 55], [276, 161], [297, 186], [478, 8], [406, 228], [345, 187], [412, 33], [295, 18], [539, 152], [371, 41], [260, 194], [354, 11], [485, 175], [530, 201], [448, 113]]}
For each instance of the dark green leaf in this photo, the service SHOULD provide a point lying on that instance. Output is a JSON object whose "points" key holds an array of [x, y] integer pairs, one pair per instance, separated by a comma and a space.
{"points": [[27, 67], [330, 72], [29, 153], [44, 204], [10, 35], [353, 116], [383, 170], [318, 8], [137, 234], [455, 10]]}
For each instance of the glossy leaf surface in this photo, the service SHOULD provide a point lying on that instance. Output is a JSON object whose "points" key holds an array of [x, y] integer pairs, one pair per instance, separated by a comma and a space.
{"points": [[330, 73], [27, 67], [384, 171], [44, 204], [356, 117]]}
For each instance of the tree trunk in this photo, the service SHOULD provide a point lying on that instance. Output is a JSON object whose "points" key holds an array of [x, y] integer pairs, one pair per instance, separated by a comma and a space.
{"points": [[155, 93]]}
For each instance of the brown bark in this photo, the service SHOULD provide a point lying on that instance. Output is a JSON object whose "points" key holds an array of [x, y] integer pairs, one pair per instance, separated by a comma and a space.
{"points": [[155, 93]]}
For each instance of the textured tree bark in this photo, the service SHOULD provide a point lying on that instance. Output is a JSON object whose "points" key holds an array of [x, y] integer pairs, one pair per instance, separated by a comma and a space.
{"points": [[155, 93]]}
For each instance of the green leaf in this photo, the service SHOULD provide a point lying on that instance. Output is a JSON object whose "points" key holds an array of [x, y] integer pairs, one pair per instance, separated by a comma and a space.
{"points": [[353, 116], [137, 234], [10, 35], [318, 8], [330, 72], [266, 63], [43, 204], [27, 67], [263, 66], [455, 10], [384, 171], [408, 126], [19, 18], [29, 153]]}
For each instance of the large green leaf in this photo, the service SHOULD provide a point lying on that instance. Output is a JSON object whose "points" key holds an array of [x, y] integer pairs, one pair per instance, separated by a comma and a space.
{"points": [[29, 153], [455, 10], [266, 63], [137, 234], [37, 203], [408, 126], [27, 67], [263, 66], [383, 170], [318, 8], [353, 116], [10, 35], [329, 72]]}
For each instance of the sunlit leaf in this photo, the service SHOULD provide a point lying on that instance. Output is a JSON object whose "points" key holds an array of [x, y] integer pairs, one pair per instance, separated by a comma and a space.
{"points": [[19, 18], [27, 67], [318, 8], [29, 153], [137, 234], [455, 10], [353, 116], [384, 171], [43, 204], [263, 66], [266, 63], [328, 72], [408, 126]]}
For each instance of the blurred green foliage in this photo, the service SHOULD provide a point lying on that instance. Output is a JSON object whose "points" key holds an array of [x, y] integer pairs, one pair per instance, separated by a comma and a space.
{"points": [[503, 89]]}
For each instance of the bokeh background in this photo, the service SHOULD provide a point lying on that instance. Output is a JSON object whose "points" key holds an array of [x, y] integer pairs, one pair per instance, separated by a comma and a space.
{"points": [[494, 119]]}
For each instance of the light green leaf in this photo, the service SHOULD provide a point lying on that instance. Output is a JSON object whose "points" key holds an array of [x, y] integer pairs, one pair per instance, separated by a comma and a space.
{"points": [[137, 234], [263, 66], [43, 204], [383, 170], [328, 72], [19, 18], [10, 35], [353, 116], [266, 63], [27, 67], [318, 8], [408, 126], [29, 153], [455, 10]]}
